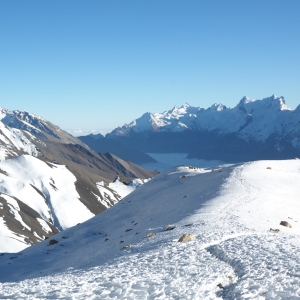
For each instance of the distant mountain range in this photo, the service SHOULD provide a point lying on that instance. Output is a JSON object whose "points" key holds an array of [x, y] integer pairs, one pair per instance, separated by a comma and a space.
{"points": [[252, 130], [100, 144], [50, 180]]}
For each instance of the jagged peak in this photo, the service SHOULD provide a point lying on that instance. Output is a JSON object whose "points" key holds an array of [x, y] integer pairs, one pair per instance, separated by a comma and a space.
{"points": [[186, 105], [246, 100], [218, 107], [273, 101]]}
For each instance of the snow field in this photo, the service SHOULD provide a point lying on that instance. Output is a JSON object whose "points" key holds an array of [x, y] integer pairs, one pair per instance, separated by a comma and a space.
{"points": [[234, 256]]}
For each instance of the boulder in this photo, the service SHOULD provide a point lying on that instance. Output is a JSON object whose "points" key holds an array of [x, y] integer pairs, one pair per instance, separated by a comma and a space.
{"points": [[187, 238], [127, 246], [170, 228], [275, 230], [286, 224], [53, 242], [150, 234]]}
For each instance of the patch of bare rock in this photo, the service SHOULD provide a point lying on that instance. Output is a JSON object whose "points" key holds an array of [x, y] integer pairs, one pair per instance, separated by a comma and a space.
{"points": [[286, 224], [186, 238]]}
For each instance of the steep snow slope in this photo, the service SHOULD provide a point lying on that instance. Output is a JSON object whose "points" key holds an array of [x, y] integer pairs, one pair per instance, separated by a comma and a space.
{"points": [[20, 225], [234, 256], [47, 191], [56, 184], [14, 141]]}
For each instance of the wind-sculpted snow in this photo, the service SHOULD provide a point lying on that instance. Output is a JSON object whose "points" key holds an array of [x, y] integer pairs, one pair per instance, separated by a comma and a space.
{"points": [[235, 255]]}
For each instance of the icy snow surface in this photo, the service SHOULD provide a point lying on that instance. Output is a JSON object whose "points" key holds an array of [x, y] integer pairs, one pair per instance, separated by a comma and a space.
{"points": [[235, 255]]}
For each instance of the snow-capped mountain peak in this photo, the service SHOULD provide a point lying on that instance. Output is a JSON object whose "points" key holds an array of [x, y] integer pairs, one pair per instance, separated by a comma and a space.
{"points": [[218, 117], [218, 107], [269, 103]]}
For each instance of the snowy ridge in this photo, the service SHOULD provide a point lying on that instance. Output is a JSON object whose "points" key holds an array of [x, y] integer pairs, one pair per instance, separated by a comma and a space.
{"points": [[250, 119], [35, 126], [24, 120], [235, 255]]}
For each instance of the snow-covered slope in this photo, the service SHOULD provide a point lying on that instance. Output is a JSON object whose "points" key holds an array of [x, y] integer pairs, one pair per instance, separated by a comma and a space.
{"points": [[49, 190], [254, 124], [112, 193], [240, 249], [46, 189], [14, 141]]}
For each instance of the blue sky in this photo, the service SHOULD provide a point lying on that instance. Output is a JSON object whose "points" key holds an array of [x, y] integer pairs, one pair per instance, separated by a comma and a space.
{"points": [[100, 64]]}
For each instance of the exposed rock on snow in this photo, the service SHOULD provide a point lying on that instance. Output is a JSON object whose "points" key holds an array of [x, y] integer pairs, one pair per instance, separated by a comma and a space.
{"points": [[286, 224], [127, 246], [169, 228], [53, 242], [220, 286], [150, 234], [187, 238], [275, 230]]}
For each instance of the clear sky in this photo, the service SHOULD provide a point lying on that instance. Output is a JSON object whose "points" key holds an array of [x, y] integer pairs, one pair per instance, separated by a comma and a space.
{"points": [[98, 64]]}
